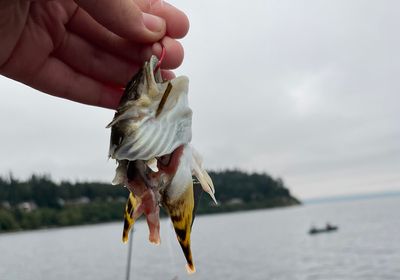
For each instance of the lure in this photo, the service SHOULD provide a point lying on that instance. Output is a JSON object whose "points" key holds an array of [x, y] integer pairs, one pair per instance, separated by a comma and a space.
{"points": [[150, 136]]}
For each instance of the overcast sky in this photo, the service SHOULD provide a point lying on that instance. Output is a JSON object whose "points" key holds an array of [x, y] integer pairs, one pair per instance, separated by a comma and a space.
{"points": [[303, 90]]}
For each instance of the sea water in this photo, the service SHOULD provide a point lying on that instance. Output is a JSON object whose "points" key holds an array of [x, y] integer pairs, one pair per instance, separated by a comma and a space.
{"points": [[263, 244]]}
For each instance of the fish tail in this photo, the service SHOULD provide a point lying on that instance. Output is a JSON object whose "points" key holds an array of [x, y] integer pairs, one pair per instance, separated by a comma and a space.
{"points": [[181, 213]]}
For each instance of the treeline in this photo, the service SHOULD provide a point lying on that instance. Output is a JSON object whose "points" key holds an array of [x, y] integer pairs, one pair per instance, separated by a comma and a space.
{"points": [[40, 202], [46, 193], [237, 190]]}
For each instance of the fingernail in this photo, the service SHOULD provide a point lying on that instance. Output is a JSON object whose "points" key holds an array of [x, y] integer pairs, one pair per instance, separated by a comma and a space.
{"points": [[154, 3], [157, 48], [153, 23]]}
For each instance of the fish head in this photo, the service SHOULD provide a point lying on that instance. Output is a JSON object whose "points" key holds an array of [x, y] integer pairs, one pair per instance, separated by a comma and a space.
{"points": [[144, 89], [153, 118]]}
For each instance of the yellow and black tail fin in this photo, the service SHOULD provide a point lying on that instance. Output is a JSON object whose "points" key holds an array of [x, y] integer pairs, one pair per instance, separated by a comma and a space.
{"points": [[181, 213], [130, 207]]}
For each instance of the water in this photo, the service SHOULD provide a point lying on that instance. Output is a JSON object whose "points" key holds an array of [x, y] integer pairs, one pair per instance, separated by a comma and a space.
{"points": [[267, 244]]}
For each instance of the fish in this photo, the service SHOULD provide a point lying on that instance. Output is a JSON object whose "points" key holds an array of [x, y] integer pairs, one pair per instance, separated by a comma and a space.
{"points": [[150, 140]]}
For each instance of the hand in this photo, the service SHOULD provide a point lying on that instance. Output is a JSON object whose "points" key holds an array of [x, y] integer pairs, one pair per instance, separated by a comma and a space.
{"points": [[86, 50]]}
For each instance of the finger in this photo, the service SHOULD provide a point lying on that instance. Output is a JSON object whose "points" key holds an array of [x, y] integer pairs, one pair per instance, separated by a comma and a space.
{"points": [[167, 74], [125, 19], [58, 79], [173, 53], [94, 62], [86, 27], [177, 21], [83, 25]]}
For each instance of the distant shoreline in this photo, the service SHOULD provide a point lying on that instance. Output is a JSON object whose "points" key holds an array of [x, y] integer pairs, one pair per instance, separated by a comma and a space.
{"points": [[40, 202], [162, 217], [351, 197]]}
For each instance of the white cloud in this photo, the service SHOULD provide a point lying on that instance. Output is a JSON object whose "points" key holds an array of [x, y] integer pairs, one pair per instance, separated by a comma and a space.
{"points": [[304, 90]]}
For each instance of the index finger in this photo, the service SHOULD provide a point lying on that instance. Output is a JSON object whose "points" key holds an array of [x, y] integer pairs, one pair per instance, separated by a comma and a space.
{"points": [[125, 19], [177, 21]]}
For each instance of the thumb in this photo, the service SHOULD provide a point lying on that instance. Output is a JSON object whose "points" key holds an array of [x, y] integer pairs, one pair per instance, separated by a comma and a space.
{"points": [[125, 18]]}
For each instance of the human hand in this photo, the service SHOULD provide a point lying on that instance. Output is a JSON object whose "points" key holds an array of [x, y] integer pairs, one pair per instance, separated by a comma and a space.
{"points": [[86, 50]]}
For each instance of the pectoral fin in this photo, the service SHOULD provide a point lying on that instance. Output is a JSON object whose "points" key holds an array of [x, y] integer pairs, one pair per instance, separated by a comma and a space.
{"points": [[202, 175], [129, 219], [181, 213]]}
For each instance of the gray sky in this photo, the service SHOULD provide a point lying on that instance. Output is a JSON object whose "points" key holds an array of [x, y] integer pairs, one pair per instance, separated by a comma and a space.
{"points": [[303, 90]]}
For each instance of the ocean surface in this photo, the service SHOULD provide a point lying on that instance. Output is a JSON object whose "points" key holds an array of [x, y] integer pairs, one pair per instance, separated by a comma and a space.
{"points": [[266, 244]]}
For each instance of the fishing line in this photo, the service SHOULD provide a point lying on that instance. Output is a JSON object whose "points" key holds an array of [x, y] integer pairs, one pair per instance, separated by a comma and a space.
{"points": [[162, 56], [170, 227], [128, 267]]}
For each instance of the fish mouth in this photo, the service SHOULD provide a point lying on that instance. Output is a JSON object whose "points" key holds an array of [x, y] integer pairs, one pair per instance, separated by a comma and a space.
{"points": [[152, 73], [153, 63]]}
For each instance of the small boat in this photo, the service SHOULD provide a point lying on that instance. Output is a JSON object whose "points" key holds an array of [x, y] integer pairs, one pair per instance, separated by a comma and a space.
{"points": [[327, 228]]}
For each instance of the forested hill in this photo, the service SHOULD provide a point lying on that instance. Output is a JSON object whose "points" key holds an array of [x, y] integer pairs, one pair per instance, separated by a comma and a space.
{"points": [[237, 190], [40, 202]]}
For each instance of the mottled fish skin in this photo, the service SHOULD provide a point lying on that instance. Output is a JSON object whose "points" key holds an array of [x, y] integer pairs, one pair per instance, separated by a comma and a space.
{"points": [[181, 213], [150, 136], [130, 206]]}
